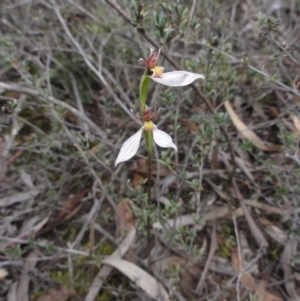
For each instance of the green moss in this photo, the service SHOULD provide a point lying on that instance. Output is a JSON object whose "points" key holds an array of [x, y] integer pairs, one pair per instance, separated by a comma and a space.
{"points": [[81, 271], [275, 251], [80, 282], [105, 249], [60, 276], [227, 242]]}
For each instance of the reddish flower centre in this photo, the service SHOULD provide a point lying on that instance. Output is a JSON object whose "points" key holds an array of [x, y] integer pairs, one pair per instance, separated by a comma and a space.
{"points": [[147, 114], [151, 61]]}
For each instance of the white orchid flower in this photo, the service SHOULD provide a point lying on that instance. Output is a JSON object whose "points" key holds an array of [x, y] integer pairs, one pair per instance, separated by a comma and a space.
{"points": [[130, 146], [175, 78], [172, 79]]}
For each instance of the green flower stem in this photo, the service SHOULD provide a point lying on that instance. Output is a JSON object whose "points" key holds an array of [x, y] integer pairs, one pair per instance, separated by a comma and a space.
{"points": [[149, 203], [149, 140], [143, 92], [143, 89]]}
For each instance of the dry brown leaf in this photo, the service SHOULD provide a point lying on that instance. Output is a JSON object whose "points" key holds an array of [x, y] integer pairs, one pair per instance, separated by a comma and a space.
{"points": [[137, 179], [245, 278], [125, 218], [58, 295], [141, 166], [141, 278], [273, 111], [70, 204], [189, 125], [69, 210], [247, 133], [213, 155], [263, 295]]}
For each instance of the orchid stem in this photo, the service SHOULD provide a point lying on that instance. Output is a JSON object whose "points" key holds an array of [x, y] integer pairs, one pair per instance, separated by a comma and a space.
{"points": [[149, 204], [143, 92]]}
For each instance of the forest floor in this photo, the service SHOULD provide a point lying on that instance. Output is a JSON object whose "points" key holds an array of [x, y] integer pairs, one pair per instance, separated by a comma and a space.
{"points": [[223, 220]]}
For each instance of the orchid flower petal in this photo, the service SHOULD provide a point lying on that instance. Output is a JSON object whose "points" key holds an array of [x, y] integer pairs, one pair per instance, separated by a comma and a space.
{"points": [[177, 78], [162, 139], [130, 147]]}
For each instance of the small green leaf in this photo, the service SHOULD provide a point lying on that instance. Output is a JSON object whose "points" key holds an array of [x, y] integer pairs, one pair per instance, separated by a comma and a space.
{"points": [[144, 86]]}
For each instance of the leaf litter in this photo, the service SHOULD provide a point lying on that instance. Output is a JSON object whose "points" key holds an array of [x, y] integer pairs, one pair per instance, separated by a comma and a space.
{"points": [[262, 111]]}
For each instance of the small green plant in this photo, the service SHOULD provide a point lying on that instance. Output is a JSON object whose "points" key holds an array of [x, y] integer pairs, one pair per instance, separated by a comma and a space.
{"points": [[15, 252]]}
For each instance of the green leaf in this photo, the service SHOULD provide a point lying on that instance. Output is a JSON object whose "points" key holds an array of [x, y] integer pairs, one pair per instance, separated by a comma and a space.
{"points": [[144, 86]]}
